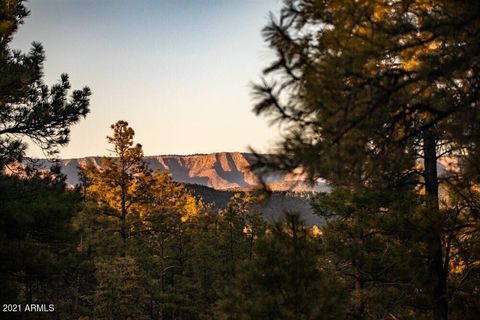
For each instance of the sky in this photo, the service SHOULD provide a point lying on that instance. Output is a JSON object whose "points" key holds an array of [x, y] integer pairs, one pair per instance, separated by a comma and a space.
{"points": [[179, 71]]}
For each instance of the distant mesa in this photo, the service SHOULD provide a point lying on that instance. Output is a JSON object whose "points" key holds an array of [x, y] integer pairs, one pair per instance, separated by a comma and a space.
{"points": [[220, 171]]}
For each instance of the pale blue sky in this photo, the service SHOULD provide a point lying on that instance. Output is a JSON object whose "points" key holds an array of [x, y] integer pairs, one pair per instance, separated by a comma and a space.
{"points": [[178, 71]]}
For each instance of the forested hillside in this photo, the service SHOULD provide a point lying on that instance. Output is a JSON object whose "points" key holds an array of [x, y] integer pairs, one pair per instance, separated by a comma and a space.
{"points": [[370, 96], [273, 208]]}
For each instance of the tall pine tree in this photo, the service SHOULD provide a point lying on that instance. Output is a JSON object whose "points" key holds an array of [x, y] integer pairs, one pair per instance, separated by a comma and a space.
{"points": [[373, 94], [118, 188]]}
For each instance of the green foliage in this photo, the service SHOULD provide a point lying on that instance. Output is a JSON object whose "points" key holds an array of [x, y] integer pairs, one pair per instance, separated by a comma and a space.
{"points": [[373, 94], [28, 107], [119, 187], [38, 244], [284, 279], [368, 242], [238, 227], [358, 76], [120, 293], [143, 216]]}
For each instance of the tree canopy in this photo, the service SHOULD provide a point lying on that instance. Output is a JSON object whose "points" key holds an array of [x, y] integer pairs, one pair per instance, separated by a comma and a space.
{"points": [[28, 107], [373, 94]]}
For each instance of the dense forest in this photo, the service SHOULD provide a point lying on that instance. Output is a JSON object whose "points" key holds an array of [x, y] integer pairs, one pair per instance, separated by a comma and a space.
{"points": [[374, 94]]}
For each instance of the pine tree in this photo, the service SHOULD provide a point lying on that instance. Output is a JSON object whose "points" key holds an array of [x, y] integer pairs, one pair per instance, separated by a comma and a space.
{"points": [[238, 226], [120, 293], [118, 188], [37, 241], [372, 250], [283, 280], [166, 248], [28, 107], [369, 88], [140, 226]]}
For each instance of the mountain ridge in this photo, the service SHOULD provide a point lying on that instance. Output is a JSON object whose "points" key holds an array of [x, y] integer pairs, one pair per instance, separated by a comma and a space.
{"points": [[219, 170]]}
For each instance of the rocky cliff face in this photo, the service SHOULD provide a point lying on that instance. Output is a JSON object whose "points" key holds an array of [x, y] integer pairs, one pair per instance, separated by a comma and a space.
{"points": [[221, 171], [217, 170]]}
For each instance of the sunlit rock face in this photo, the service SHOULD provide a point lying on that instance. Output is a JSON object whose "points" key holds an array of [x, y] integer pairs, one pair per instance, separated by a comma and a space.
{"points": [[221, 171]]}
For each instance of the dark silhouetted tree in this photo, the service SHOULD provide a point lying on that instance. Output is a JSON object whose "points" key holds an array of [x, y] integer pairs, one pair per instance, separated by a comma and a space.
{"points": [[283, 280], [28, 107], [37, 241], [368, 90]]}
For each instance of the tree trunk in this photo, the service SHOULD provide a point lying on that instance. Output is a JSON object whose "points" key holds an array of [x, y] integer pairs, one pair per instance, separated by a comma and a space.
{"points": [[438, 275], [359, 302], [124, 207], [124, 225], [232, 257]]}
